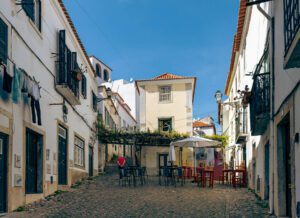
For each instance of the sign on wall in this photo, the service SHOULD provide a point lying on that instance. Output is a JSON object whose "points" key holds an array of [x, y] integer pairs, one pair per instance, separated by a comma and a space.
{"points": [[17, 180], [17, 161]]}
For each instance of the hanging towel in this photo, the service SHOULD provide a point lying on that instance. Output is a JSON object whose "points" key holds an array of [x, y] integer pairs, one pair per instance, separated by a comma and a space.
{"points": [[16, 85], [7, 81]]}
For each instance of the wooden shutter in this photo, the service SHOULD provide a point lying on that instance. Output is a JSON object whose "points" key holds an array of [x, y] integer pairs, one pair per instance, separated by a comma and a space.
{"points": [[3, 41], [28, 7], [83, 86], [62, 57], [94, 101]]}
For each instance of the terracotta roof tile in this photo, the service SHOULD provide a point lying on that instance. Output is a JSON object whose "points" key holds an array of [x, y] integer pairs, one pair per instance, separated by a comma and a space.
{"points": [[75, 33], [236, 40], [168, 76], [201, 124]]}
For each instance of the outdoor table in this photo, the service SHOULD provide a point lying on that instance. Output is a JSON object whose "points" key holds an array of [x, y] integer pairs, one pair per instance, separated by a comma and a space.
{"points": [[227, 173], [199, 175], [238, 171]]}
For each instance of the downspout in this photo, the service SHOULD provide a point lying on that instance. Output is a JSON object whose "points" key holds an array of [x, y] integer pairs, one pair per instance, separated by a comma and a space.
{"points": [[272, 110], [271, 19]]}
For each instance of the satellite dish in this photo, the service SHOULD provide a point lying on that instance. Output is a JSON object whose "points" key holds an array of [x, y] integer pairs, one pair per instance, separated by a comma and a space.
{"points": [[109, 80], [131, 79]]}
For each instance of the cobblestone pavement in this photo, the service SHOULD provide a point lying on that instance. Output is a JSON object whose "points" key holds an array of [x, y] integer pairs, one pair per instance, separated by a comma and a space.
{"points": [[103, 197]]}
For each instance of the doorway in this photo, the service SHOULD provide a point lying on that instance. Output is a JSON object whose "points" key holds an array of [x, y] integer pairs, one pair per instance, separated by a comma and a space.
{"points": [[3, 172], [162, 160], [284, 167], [34, 162], [91, 161], [62, 156], [267, 171]]}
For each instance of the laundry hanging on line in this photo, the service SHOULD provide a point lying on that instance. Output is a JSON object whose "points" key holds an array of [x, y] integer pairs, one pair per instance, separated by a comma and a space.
{"points": [[17, 81]]}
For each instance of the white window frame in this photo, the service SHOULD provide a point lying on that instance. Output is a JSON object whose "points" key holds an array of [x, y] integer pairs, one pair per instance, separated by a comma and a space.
{"points": [[165, 96], [79, 147]]}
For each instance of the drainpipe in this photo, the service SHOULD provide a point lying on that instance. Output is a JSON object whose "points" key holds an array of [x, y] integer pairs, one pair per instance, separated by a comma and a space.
{"points": [[272, 139], [272, 110]]}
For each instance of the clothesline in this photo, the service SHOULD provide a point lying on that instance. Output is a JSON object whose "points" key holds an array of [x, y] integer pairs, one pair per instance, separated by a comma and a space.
{"points": [[16, 82]]}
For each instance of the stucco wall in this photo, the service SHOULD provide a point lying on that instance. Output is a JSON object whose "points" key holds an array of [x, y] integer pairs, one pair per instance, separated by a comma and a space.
{"points": [[31, 50]]}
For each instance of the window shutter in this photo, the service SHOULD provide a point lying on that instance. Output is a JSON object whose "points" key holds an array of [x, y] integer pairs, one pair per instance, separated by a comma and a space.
{"points": [[83, 86], [3, 41], [28, 7], [94, 101], [62, 57]]}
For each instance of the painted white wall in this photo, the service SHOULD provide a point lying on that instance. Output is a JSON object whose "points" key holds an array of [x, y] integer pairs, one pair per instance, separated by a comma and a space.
{"points": [[31, 50]]}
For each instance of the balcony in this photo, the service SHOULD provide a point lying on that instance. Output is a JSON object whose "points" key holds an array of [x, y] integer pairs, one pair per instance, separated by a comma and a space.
{"points": [[260, 103], [254, 2], [67, 81], [241, 127], [291, 34]]}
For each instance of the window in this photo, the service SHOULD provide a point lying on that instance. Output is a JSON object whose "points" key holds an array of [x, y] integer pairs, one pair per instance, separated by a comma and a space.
{"points": [[94, 99], [3, 41], [83, 86], [165, 94], [106, 76], [98, 70], [33, 10], [165, 125], [78, 152]]}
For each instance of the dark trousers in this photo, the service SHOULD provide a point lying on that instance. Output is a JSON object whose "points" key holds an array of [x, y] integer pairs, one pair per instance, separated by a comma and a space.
{"points": [[35, 107], [121, 172]]}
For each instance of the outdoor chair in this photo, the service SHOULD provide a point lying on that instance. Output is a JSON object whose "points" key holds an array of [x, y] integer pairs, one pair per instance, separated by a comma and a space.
{"points": [[140, 175], [180, 175], [169, 177], [124, 177], [160, 175]]}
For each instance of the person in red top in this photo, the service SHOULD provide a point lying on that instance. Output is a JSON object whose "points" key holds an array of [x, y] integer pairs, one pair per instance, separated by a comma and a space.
{"points": [[121, 163]]}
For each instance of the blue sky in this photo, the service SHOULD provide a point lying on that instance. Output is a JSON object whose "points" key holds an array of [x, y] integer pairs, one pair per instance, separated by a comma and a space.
{"points": [[141, 39]]}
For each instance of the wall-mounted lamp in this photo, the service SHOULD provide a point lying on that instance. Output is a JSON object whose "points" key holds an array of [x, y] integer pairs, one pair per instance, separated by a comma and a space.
{"points": [[108, 93]]}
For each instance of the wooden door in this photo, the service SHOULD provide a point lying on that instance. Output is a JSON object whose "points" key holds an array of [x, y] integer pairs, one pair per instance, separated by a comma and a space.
{"points": [[162, 160], [34, 163], [62, 156], [3, 172], [267, 171], [91, 161]]}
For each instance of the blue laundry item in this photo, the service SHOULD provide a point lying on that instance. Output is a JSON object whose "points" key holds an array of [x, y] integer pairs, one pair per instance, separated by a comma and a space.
{"points": [[16, 89]]}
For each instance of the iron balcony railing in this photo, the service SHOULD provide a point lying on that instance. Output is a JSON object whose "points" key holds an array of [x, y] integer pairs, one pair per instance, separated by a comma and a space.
{"points": [[291, 21], [260, 103]]}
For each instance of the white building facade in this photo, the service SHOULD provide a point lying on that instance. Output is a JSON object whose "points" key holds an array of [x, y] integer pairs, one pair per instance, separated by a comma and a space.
{"points": [[268, 136], [47, 114]]}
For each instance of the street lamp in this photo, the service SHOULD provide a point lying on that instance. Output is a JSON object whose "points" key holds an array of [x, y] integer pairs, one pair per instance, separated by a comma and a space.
{"points": [[218, 96], [108, 93]]}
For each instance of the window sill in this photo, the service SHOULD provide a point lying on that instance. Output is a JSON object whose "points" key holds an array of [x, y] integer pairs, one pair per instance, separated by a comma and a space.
{"points": [[35, 28], [165, 102]]}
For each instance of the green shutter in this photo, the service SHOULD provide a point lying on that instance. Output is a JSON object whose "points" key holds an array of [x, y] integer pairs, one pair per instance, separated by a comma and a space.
{"points": [[3, 41], [28, 7]]}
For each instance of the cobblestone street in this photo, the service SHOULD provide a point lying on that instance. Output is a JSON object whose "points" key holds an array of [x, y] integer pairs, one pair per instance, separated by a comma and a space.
{"points": [[103, 197]]}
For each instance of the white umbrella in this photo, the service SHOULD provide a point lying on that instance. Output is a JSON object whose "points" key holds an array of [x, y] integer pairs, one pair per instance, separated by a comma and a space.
{"points": [[197, 142], [172, 156]]}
